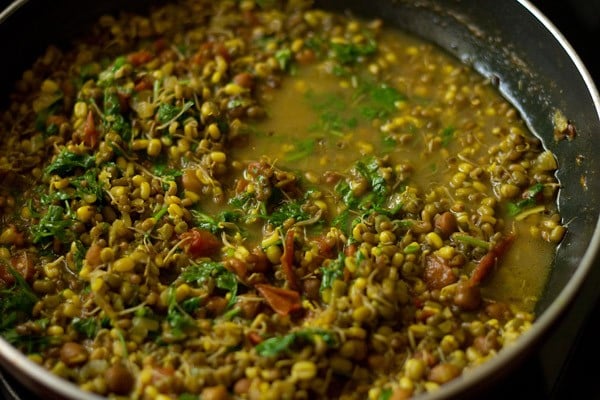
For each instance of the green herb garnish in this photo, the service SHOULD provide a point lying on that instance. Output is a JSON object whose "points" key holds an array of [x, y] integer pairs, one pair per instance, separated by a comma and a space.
{"points": [[16, 302], [280, 344], [66, 162], [332, 270], [53, 224], [351, 53], [224, 279], [529, 200]]}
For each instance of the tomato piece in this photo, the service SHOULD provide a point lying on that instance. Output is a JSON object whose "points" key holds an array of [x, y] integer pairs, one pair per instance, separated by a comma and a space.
{"points": [[140, 57], [438, 273], [287, 260], [90, 133], [487, 262], [254, 337], [282, 301], [200, 242]]}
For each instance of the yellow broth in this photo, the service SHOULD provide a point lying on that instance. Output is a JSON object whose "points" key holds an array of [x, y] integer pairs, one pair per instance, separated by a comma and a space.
{"points": [[317, 123]]}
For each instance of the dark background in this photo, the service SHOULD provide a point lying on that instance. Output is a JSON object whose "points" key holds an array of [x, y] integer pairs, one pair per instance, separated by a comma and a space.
{"points": [[579, 22]]}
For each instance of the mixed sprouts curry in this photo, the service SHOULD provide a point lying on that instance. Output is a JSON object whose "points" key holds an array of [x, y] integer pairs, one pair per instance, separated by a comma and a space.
{"points": [[255, 200]]}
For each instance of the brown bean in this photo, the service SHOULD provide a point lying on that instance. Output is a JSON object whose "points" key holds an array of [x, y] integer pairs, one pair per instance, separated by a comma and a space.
{"points": [[377, 361], [443, 373], [248, 308], [332, 177], [255, 112], [438, 273], [467, 296], [92, 256], [190, 181], [498, 310], [119, 379], [311, 288], [244, 79], [241, 386], [257, 260], [72, 354], [445, 223], [305, 56], [216, 305], [401, 394], [218, 392], [487, 343]]}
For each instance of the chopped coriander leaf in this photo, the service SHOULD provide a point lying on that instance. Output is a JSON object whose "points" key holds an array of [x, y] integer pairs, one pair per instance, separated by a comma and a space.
{"points": [[88, 184], [118, 123], [345, 191], [79, 254], [29, 343], [332, 270], [342, 221], [277, 345], [66, 162], [302, 149], [119, 62], [205, 221], [447, 135], [107, 76], [375, 198], [334, 114], [169, 112], [287, 210], [112, 104], [316, 44], [177, 318], [16, 302], [187, 396], [378, 101], [529, 200], [202, 272], [163, 171], [190, 305], [386, 394], [284, 58], [351, 53], [53, 224], [53, 198], [216, 224], [88, 327], [334, 123]]}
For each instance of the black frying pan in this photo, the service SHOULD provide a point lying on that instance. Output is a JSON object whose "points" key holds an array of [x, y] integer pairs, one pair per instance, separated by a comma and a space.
{"points": [[510, 41]]}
